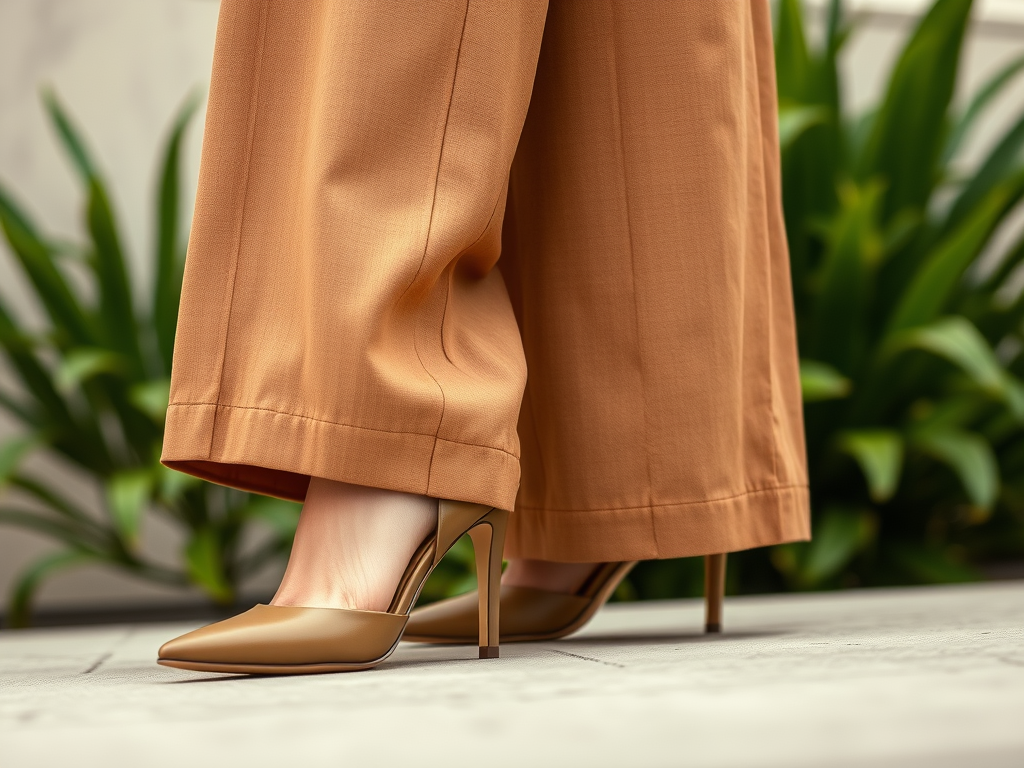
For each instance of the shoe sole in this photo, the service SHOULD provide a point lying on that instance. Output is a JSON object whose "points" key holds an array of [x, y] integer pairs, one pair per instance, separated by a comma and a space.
{"points": [[266, 669]]}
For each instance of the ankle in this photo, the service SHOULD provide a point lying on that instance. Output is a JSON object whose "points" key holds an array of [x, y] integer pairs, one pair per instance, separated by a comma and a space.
{"points": [[352, 545]]}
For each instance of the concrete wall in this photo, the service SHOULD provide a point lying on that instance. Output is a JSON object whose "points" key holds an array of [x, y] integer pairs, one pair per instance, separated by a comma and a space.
{"points": [[123, 66]]}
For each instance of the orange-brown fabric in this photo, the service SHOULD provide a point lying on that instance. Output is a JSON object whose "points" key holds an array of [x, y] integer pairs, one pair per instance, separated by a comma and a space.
{"points": [[345, 312]]}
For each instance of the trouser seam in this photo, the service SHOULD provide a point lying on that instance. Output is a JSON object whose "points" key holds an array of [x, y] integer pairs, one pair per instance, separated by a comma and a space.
{"points": [[426, 243], [250, 140], [632, 265]]}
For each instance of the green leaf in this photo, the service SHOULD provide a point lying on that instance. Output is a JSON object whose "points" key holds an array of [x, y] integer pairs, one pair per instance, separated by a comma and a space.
{"points": [[169, 250], [879, 452], [35, 379], [19, 410], [69, 135], [463, 553], [11, 454], [76, 436], [1013, 396], [958, 411], [205, 568], [83, 363], [859, 131], [75, 535], [934, 282], [901, 229], [151, 398], [56, 502], [282, 516], [957, 340], [814, 153], [836, 30], [989, 289], [128, 496], [36, 261], [969, 456], [838, 536], [982, 99], [794, 120], [822, 382], [172, 484], [908, 135], [117, 314], [65, 249], [792, 60], [837, 335], [1002, 167], [28, 582]]}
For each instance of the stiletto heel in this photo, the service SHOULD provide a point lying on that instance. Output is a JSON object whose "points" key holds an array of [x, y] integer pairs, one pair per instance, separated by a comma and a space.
{"points": [[488, 541], [714, 591], [288, 640]]}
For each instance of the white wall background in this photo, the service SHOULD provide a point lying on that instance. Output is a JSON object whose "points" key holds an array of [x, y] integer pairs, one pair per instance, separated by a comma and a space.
{"points": [[122, 67]]}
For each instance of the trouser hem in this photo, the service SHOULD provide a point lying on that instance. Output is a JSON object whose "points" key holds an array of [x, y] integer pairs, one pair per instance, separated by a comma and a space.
{"points": [[750, 519], [275, 453]]}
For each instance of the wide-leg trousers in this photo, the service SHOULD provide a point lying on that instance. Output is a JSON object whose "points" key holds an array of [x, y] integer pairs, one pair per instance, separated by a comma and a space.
{"points": [[516, 252]]}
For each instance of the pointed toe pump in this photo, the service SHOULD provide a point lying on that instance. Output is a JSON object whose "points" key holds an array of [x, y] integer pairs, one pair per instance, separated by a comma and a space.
{"points": [[529, 614], [274, 639]]}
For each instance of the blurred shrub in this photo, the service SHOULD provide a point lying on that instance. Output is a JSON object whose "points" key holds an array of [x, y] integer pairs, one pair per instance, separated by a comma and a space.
{"points": [[91, 388]]}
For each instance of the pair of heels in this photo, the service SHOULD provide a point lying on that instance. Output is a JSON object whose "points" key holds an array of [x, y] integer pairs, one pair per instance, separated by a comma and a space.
{"points": [[272, 639]]}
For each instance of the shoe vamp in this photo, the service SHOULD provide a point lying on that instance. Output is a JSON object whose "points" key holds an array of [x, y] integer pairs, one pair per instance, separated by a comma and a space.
{"points": [[268, 634]]}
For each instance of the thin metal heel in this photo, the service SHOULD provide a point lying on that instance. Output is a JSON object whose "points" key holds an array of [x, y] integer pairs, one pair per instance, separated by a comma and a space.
{"points": [[488, 542], [714, 591]]}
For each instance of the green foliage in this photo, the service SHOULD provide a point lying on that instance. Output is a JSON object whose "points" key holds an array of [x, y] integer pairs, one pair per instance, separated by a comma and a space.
{"points": [[924, 449], [911, 352], [92, 389]]}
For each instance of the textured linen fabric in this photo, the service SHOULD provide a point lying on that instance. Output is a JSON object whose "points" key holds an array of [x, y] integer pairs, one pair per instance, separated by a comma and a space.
{"points": [[346, 315]]}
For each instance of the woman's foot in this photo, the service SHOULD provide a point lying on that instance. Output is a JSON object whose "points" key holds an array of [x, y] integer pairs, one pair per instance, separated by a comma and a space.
{"points": [[567, 578], [352, 545]]}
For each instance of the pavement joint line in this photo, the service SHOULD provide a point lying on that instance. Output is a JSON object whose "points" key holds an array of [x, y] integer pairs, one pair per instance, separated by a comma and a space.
{"points": [[588, 658], [129, 632], [96, 664]]}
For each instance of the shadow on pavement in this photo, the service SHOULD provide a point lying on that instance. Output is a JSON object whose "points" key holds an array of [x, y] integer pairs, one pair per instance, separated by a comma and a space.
{"points": [[661, 638]]}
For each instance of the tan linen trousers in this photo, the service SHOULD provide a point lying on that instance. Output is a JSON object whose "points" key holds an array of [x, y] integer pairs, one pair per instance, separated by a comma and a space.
{"points": [[345, 313]]}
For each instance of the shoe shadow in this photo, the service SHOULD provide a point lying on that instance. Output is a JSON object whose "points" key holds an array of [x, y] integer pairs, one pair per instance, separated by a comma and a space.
{"points": [[225, 677], [437, 657], [431, 663], [664, 638]]}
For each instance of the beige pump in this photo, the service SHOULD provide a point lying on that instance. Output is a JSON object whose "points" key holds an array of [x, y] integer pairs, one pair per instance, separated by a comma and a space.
{"points": [[283, 640], [538, 614]]}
